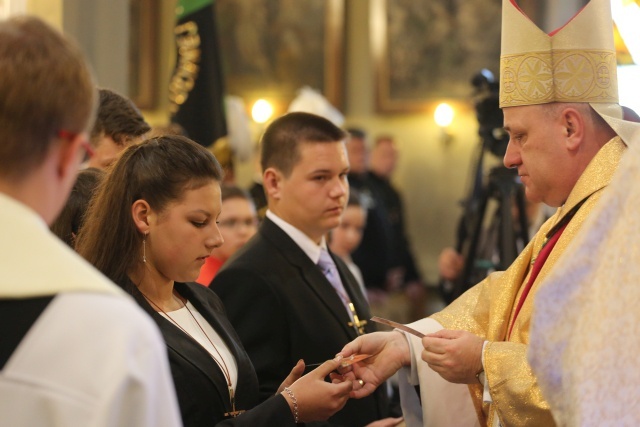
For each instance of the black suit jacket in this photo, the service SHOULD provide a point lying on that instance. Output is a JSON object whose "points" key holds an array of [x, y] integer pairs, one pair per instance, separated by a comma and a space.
{"points": [[201, 387], [284, 309]]}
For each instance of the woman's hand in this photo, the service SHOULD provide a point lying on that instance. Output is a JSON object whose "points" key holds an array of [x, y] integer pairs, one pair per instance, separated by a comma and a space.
{"points": [[317, 399], [293, 376]]}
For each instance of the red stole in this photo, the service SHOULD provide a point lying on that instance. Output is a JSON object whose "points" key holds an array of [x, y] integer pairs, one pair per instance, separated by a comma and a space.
{"points": [[547, 247]]}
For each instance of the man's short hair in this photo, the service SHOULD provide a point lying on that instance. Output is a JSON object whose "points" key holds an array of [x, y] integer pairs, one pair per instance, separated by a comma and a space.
{"points": [[118, 118], [554, 108], [357, 133], [355, 198], [45, 87], [283, 136], [230, 191], [384, 138]]}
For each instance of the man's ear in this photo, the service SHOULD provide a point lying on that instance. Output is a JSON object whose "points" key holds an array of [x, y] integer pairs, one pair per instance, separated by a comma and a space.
{"points": [[69, 150], [142, 215], [573, 123], [272, 180]]}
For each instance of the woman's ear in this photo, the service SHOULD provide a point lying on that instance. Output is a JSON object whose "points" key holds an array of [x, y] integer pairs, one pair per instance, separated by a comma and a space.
{"points": [[141, 213]]}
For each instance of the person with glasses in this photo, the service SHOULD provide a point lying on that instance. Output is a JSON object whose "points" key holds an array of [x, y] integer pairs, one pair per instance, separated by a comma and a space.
{"points": [[238, 222]]}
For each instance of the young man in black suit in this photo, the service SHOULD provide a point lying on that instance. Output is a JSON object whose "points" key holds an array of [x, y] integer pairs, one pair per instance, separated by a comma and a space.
{"points": [[277, 296]]}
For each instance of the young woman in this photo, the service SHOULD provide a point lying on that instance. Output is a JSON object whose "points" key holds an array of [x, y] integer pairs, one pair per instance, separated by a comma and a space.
{"points": [[238, 222], [149, 229]]}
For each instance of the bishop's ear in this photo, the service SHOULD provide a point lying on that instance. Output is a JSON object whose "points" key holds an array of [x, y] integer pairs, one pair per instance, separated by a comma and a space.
{"points": [[142, 215], [573, 123]]}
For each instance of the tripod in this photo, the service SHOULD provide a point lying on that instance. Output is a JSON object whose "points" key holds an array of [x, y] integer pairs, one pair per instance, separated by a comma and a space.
{"points": [[500, 238]]}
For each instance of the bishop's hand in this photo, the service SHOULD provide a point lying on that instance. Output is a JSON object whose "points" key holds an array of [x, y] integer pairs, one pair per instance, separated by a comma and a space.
{"points": [[455, 355]]}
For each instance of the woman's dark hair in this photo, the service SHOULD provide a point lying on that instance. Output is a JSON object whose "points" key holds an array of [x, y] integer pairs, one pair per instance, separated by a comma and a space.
{"points": [[68, 223], [159, 171]]}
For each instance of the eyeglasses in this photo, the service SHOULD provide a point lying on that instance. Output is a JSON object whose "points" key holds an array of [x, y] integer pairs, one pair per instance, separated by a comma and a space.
{"points": [[85, 144], [237, 223]]}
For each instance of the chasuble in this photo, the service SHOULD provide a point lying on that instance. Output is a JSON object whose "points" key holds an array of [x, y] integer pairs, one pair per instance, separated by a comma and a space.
{"points": [[487, 310], [584, 332]]}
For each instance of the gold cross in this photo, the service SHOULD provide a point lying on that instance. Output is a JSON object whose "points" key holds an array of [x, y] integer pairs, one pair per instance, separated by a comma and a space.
{"points": [[357, 324]]}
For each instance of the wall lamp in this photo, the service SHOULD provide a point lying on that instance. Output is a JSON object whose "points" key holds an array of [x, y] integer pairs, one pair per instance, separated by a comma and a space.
{"points": [[261, 111], [443, 117]]}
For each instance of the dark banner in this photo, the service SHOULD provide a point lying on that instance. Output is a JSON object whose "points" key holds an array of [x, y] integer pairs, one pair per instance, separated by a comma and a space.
{"points": [[196, 90]]}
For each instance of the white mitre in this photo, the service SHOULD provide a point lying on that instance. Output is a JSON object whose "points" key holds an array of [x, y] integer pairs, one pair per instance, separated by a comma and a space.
{"points": [[575, 63]]}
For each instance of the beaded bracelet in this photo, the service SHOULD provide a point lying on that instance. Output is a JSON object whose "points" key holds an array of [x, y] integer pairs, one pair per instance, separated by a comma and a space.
{"points": [[295, 404]]}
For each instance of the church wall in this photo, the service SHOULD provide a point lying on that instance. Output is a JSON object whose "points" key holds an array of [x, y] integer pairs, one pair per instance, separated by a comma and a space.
{"points": [[432, 175]]}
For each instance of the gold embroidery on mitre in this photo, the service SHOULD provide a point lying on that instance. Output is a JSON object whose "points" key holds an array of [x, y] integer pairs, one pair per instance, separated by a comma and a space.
{"points": [[563, 75], [575, 63]]}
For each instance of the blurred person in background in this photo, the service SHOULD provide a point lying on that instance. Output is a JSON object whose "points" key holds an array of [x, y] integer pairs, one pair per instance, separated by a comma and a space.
{"points": [[403, 280], [346, 237], [238, 222], [119, 124], [68, 223]]}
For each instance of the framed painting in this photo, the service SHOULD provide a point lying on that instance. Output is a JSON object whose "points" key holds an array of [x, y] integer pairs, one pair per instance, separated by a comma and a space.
{"points": [[429, 50], [143, 52], [272, 48]]}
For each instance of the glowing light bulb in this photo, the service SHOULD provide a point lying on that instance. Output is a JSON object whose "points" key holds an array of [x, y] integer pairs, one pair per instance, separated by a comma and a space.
{"points": [[443, 115], [261, 111]]}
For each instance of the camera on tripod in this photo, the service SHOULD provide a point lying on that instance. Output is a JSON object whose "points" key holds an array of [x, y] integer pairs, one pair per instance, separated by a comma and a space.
{"points": [[493, 227], [488, 113]]}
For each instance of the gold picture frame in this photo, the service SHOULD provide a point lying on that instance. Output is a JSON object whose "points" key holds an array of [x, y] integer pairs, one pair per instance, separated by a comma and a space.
{"points": [[272, 48], [143, 52], [428, 50]]}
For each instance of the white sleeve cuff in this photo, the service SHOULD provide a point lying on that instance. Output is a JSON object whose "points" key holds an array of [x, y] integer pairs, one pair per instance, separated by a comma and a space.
{"points": [[486, 396], [412, 370]]}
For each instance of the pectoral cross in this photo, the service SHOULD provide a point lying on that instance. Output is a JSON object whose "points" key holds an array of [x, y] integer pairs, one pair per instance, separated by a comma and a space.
{"points": [[357, 324], [232, 399]]}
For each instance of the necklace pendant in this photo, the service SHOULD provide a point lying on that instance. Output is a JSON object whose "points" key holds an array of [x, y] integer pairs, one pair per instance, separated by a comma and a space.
{"points": [[233, 414], [232, 400]]}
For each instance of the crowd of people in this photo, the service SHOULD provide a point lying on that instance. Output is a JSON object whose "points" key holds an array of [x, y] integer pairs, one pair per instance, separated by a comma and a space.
{"points": [[140, 287]]}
